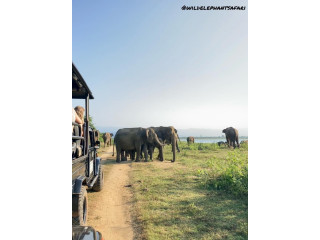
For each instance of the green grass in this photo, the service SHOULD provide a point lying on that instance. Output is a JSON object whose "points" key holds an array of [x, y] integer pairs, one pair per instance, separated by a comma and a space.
{"points": [[203, 195]]}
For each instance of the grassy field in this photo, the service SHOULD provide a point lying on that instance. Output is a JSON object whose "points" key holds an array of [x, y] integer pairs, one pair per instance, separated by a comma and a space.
{"points": [[203, 195]]}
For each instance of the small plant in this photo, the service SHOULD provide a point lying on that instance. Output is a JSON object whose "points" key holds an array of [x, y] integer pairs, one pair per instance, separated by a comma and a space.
{"points": [[230, 174]]}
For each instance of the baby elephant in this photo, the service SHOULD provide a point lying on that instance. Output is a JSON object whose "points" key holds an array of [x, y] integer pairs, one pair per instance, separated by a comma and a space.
{"points": [[221, 143], [244, 142]]}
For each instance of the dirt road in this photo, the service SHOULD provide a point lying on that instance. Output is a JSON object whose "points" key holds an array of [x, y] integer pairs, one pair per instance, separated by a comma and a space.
{"points": [[110, 209]]}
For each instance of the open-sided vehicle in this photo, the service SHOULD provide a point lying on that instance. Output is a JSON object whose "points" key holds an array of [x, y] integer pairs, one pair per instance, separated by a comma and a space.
{"points": [[86, 168]]}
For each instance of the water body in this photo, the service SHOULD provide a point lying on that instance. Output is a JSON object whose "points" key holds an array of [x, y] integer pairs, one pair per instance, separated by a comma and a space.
{"points": [[211, 139]]}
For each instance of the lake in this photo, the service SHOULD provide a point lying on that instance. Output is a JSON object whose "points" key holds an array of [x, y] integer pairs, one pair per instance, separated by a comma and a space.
{"points": [[211, 139]]}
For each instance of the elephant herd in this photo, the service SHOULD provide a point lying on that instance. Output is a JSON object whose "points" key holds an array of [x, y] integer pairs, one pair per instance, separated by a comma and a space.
{"points": [[106, 137], [133, 142], [232, 137]]}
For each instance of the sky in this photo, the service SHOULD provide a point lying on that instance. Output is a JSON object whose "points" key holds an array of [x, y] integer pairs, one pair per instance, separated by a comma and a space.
{"points": [[148, 63]]}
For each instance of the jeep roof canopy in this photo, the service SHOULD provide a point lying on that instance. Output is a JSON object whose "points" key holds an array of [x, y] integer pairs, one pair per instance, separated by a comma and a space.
{"points": [[80, 89]]}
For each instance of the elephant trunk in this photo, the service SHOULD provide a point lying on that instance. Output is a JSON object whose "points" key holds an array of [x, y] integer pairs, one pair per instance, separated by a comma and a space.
{"points": [[158, 141], [173, 142], [161, 145]]}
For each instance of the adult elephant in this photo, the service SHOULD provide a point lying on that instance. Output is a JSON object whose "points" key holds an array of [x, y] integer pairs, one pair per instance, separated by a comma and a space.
{"points": [[232, 136], [107, 139], [169, 135], [131, 139], [190, 140], [96, 135]]}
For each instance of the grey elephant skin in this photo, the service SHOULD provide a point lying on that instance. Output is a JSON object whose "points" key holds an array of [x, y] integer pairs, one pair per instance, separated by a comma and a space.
{"points": [[96, 135], [190, 140], [132, 139], [169, 135], [232, 136], [107, 139], [222, 143]]}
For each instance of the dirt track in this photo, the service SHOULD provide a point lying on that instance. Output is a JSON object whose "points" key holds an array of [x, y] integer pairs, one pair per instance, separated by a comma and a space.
{"points": [[109, 210]]}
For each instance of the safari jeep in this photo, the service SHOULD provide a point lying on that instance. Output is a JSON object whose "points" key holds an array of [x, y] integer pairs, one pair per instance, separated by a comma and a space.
{"points": [[86, 167]]}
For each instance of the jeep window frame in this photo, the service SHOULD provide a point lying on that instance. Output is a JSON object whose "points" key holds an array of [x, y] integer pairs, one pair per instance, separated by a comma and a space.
{"points": [[80, 90]]}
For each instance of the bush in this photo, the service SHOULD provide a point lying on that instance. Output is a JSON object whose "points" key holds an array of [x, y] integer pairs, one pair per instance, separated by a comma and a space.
{"points": [[207, 146], [229, 174]]}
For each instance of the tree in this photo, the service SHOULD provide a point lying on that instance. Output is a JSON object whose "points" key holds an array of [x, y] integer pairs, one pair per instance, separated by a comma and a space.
{"points": [[91, 123]]}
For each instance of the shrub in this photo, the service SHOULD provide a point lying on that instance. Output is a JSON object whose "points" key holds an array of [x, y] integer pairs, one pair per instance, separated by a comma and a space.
{"points": [[229, 174]]}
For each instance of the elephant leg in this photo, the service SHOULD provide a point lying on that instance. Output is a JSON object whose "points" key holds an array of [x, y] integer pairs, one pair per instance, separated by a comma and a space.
{"points": [[151, 152], [145, 151], [138, 148], [173, 152], [118, 154], [178, 149], [142, 151], [123, 158], [161, 154], [132, 155]]}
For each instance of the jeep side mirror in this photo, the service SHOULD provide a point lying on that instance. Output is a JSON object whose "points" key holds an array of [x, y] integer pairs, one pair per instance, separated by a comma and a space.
{"points": [[97, 145]]}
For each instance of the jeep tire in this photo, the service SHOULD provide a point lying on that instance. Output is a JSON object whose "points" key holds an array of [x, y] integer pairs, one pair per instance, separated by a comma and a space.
{"points": [[80, 207]]}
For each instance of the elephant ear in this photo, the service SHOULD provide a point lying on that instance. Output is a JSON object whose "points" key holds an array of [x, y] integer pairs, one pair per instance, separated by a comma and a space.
{"points": [[144, 133]]}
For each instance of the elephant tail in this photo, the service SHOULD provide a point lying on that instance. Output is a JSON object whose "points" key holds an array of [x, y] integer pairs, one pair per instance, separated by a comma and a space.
{"points": [[113, 149]]}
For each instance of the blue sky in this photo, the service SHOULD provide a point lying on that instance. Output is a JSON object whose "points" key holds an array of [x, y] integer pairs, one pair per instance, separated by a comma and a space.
{"points": [[148, 63]]}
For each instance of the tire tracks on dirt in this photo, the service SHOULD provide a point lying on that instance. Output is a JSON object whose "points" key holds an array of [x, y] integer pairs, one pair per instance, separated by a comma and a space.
{"points": [[110, 209]]}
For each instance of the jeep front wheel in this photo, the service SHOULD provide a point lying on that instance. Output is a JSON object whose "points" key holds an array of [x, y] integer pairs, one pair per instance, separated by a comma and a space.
{"points": [[79, 207]]}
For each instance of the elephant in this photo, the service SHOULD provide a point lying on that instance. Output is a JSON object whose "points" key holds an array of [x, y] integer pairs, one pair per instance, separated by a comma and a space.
{"points": [[221, 143], [132, 139], [151, 147], [232, 136], [169, 135], [107, 139], [96, 135], [190, 140]]}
